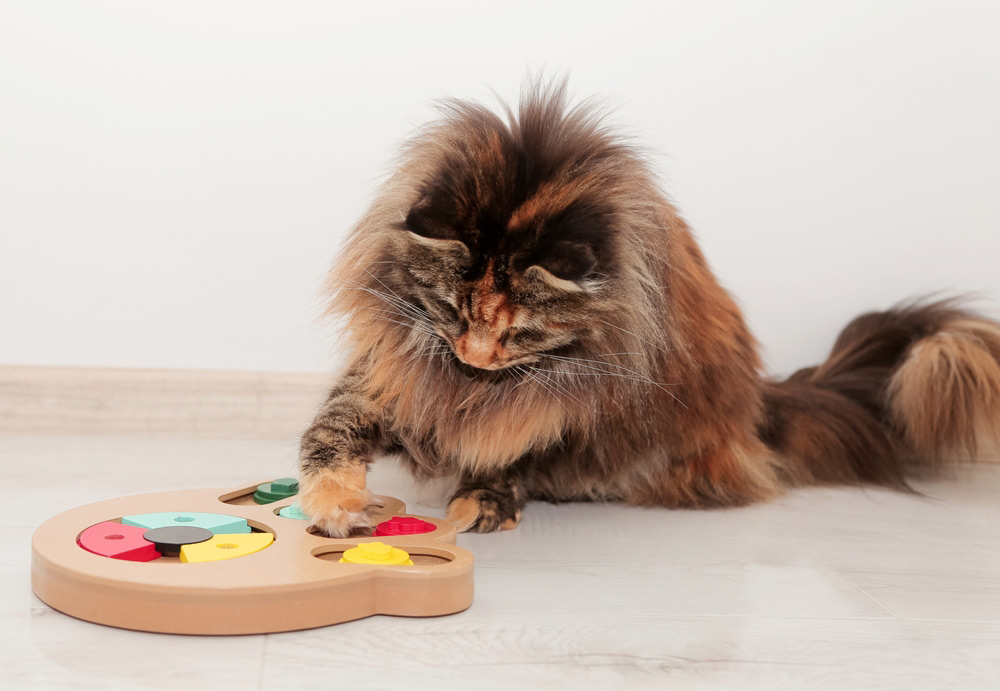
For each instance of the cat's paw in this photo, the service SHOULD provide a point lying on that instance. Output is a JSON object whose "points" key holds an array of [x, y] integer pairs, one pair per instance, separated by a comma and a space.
{"points": [[483, 511], [337, 501]]}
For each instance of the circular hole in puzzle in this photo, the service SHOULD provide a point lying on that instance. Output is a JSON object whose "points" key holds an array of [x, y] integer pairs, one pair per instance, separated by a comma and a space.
{"points": [[183, 519], [227, 545], [114, 537], [330, 556], [357, 532]]}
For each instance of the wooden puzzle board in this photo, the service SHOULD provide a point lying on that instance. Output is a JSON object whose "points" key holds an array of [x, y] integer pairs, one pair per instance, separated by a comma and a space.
{"points": [[297, 582]]}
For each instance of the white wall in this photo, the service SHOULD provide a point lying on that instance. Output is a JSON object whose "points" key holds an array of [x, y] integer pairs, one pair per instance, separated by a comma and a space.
{"points": [[176, 177]]}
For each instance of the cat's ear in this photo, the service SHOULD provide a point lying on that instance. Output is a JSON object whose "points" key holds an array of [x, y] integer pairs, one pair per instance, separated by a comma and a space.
{"points": [[429, 225], [566, 266]]}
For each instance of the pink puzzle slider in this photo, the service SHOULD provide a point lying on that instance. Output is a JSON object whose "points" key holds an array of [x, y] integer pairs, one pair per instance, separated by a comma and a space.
{"points": [[110, 539]]}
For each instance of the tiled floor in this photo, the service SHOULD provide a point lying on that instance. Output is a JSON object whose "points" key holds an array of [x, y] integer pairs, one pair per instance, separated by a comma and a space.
{"points": [[828, 588]]}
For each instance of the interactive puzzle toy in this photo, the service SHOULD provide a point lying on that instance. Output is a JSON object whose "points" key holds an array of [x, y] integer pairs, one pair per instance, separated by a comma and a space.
{"points": [[241, 562]]}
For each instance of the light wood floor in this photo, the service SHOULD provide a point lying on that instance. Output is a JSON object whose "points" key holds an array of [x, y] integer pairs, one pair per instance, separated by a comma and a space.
{"points": [[824, 589]]}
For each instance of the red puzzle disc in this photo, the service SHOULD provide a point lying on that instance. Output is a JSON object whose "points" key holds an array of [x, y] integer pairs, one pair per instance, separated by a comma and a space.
{"points": [[110, 539]]}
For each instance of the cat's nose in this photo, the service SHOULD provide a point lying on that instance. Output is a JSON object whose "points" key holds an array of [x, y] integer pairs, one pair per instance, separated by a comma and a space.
{"points": [[478, 350]]}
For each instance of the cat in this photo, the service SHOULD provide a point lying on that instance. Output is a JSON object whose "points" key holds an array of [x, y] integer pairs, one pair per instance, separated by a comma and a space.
{"points": [[524, 308]]}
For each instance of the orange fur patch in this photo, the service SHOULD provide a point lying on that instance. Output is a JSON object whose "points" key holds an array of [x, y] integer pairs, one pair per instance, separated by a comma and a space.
{"points": [[728, 476], [341, 487], [551, 199], [511, 523], [463, 512]]}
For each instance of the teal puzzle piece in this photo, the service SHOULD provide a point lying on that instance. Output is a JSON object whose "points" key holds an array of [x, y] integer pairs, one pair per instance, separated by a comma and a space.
{"points": [[219, 524], [293, 511]]}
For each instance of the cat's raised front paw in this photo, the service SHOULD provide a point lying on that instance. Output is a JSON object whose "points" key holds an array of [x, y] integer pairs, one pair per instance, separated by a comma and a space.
{"points": [[337, 501]]}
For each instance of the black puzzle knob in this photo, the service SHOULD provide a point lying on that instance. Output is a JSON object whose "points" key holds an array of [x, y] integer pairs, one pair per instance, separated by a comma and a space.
{"points": [[170, 539]]}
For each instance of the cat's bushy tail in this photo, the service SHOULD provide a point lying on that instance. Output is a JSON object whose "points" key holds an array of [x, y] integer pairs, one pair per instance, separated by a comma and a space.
{"points": [[903, 391]]}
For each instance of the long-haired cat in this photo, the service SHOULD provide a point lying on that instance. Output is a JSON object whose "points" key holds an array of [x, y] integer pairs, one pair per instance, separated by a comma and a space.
{"points": [[525, 309]]}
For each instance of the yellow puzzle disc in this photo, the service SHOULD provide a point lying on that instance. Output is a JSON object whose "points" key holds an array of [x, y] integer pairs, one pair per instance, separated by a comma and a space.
{"points": [[376, 553], [225, 547]]}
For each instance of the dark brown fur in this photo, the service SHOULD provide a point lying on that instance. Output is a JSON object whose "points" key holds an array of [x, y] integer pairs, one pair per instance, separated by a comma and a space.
{"points": [[524, 308]]}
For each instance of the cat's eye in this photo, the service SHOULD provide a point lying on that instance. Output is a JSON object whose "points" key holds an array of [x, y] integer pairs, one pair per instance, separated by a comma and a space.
{"points": [[524, 336], [447, 309]]}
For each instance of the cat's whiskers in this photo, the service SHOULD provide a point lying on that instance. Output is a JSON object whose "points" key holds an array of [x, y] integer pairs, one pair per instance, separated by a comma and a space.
{"points": [[389, 297], [534, 377], [528, 377], [392, 300], [397, 311], [635, 335], [421, 322], [594, 370], [558, 386], [398, 314], [424, 312], [598, 365], [524, 376], [413, 326], [434, 351]]}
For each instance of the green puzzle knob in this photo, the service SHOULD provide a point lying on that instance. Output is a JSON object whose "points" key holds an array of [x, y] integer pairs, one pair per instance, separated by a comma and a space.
{"points": [[282, 488]]}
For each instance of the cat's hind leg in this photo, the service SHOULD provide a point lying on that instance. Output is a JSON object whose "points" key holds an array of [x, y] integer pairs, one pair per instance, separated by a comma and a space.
{"points": [[730, 474]]}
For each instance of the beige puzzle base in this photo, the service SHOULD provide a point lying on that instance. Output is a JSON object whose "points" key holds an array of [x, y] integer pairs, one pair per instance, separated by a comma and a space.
{"points": [[295, 583]]}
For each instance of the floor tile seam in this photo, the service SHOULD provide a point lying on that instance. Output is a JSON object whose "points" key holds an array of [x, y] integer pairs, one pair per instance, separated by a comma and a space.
{"points": [[721, 539], [645, 615], [594, 615], [263, 662]]}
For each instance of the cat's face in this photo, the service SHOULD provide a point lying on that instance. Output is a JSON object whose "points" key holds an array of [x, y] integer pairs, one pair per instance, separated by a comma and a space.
{"points": [[507, 246], [506, 276]]}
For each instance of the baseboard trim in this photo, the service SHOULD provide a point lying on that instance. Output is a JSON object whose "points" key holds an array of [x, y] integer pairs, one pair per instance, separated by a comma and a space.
{"points": [[200, 404], [155, 402]]}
